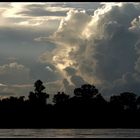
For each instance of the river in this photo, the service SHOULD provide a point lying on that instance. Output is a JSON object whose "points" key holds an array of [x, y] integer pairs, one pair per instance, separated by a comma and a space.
{"points": [[69, 133]]}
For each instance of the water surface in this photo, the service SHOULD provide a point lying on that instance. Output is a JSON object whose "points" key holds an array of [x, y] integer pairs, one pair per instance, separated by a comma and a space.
{"points": [[70, 133]]}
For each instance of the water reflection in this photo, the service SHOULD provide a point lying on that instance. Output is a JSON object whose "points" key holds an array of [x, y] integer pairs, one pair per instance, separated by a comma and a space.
{"points": [[70, 133]]}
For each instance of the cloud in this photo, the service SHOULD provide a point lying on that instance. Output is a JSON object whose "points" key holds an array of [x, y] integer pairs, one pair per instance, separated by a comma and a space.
{"points": [[31, 14], [66, 30], [82, 5], [103, 48], [49, 68], [42, 12], [20, 24], [45, 57], [2, 85], [70, 71], [13, 73], [37, 14]]}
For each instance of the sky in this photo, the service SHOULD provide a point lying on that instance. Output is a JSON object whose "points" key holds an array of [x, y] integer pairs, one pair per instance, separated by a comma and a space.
{"points": [[67, 44]]}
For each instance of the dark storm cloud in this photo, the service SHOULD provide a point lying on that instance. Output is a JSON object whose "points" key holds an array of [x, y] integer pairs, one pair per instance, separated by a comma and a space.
{"points": [[116, 56], [104, 47]]}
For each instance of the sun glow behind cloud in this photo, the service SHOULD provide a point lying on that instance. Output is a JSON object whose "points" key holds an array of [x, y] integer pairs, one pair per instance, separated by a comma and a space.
{"points": [[62, 59], [16, 11]]}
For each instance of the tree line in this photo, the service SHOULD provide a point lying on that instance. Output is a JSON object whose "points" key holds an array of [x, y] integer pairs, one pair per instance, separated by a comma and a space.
{"points": [[87, 108]]}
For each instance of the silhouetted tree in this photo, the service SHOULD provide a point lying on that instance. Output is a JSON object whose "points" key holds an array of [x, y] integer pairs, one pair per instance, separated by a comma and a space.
{"points": [[128, 99], [116, 103], [100, 100], [60, 98], [138, 102], [78, 92], [32, 98], [39, 87], [21, 98], [86, 91], [39, 97], [125, 100], [89, 90]]}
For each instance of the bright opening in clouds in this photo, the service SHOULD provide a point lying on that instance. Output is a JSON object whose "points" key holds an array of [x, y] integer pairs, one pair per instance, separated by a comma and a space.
{"points": [[66, 44]]}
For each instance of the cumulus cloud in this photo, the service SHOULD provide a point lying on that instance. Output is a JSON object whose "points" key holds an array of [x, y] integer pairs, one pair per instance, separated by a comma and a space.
{"points": [[14, 73], [103, 48]]}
